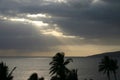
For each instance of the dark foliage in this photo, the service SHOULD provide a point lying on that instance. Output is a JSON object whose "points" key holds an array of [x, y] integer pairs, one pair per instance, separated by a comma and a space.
{"points": [[72, 75], [58, 69], [108, 65], [4, 72], [34, 76]]}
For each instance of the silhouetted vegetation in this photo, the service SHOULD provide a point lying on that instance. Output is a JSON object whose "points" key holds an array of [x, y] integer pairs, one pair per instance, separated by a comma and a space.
{"points": [[42, 78], [72, 75], [34, 76], [114, 67], [58, 69], [107, 66], [88, 79], [4, 72]]}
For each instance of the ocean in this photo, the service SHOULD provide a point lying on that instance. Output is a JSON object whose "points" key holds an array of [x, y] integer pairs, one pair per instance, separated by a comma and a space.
{"points": [[87, 67]]}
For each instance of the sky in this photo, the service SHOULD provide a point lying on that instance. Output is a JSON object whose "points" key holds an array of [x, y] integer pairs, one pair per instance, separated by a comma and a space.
{"points": [[45, 27]]}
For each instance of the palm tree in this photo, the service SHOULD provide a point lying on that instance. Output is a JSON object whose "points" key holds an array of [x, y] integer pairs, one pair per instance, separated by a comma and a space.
{"points": [[58, 66], [4, 73], [34, 76], [105, 66], [55, 78], [114, 67], [72, 75], [108, 65]]}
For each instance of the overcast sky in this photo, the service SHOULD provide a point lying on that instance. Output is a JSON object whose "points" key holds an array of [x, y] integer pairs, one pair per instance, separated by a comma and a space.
{"points": [[45, 27]]}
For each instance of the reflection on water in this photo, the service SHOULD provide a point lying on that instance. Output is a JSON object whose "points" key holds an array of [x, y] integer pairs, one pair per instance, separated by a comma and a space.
{"points": [[87, 67]]}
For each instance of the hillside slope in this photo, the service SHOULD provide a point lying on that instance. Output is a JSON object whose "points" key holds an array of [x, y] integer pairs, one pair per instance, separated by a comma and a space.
{"points": [[111, 54]]}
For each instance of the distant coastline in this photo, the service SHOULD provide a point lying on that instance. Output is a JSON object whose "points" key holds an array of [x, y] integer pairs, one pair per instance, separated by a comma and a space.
{"points": [[112, 54]]}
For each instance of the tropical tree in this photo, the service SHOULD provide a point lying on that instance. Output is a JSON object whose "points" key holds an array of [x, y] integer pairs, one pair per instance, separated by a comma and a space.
{"points": [[34, 76], [55, 78], [4, 72], [58, 66], [72, 75], [114, 67], [105, 66], [109, 65]]}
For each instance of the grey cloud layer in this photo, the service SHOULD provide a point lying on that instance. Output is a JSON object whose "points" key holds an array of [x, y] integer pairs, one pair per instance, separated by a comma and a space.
{"points": [[98, 20], [24, 37]]}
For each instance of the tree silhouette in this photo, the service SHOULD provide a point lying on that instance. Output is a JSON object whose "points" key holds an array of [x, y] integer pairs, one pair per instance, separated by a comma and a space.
{"points": [[105, 65], [55, 78], [34, 76], [42, 78], [114, 67], [58, 66], [108, 65], [72, 75], [4, 72]]}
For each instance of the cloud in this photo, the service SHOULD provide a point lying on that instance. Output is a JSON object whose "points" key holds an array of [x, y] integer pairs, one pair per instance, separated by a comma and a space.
{"points": [[41, 25], [95, 21], [19, 35], [38, 15]]}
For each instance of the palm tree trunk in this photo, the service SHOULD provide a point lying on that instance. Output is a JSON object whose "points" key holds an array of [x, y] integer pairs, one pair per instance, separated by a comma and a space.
{"points": [[62, 76], [115, 75], [108, 75]]}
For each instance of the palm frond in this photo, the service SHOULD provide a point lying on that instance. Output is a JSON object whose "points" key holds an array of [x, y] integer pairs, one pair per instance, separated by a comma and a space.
{"points": [[68, 61]]}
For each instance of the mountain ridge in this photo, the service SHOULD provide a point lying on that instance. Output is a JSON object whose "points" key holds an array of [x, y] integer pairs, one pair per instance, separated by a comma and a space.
{"points": [[111, 54]]}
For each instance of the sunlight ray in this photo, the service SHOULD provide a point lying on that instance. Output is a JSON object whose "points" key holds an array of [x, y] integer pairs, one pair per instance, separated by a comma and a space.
{"points": [[56, 33], [39, 24], [38, 15]]}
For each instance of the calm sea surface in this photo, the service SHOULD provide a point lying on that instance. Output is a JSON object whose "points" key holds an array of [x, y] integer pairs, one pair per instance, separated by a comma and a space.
{"points": [[87, 67]]}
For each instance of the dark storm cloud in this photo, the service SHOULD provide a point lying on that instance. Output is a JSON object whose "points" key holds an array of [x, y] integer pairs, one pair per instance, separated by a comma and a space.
{"points": [[112, 1], [94, 21]]}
